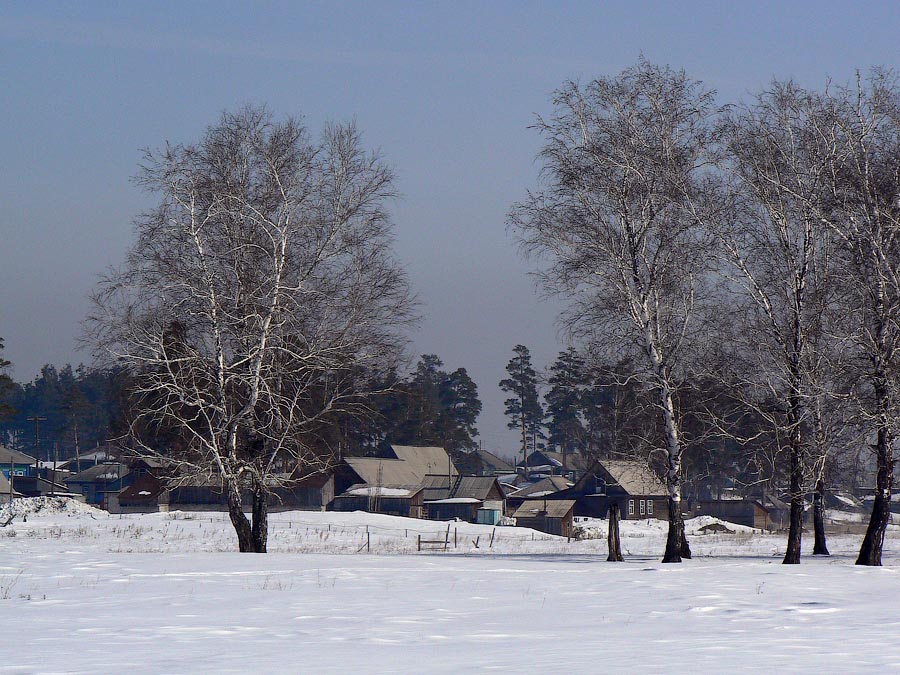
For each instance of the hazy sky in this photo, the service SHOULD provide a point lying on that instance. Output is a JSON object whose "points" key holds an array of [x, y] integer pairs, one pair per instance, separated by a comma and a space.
{"points": [[445, 90]]}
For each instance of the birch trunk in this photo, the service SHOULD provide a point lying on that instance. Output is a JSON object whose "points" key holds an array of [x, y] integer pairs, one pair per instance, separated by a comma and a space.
{"points": [[821, 546], [612, 538]]}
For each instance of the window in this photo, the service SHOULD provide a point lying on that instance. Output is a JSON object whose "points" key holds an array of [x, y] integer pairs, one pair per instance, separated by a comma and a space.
{"points": [[630, 507], [643, 507], [649, 507]]}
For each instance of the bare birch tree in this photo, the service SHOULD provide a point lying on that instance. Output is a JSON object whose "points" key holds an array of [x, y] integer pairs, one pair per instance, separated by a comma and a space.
{"points": [[258, 289], [778, 255], [618, 224], [860, 127]]}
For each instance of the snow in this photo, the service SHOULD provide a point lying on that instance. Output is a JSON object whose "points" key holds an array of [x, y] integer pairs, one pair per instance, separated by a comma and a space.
{"points": [[455, 500], [82, 591], [379, 491]]}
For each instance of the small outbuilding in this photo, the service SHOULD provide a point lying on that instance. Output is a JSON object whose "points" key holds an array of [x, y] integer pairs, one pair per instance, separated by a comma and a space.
{"points": [[747, 512], [403, 501], [553, 516]]}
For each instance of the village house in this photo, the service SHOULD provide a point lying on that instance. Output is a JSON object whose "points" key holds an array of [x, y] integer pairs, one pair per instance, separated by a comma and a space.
{"points": [[96, 483], [469, 498], [630, 484], [15, 463]]}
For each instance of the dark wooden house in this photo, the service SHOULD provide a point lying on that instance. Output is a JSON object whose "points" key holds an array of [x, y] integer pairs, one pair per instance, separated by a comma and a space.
{"points": [[632, 485]]}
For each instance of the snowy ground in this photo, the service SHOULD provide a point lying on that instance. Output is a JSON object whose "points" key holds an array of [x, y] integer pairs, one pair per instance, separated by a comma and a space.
{"points": [[84, 592]]}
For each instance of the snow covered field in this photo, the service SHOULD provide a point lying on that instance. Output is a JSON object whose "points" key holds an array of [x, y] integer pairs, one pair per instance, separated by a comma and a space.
{"points": [[82, 591]]}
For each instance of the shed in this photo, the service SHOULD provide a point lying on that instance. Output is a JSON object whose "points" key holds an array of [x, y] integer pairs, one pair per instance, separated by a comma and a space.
{"points": [[395, 501], [747, 512], [553, 516]]}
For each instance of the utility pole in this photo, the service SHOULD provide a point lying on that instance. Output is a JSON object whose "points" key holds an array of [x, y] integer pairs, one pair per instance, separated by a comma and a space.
{"points": [[37, 419], [53, 474]]}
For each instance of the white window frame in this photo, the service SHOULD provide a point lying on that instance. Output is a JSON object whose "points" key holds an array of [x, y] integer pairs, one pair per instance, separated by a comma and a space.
{"points": [[630, 507], [649, 507], [643, 507]]}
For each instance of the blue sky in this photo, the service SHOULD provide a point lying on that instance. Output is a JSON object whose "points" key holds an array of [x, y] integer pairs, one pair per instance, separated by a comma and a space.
{"points": [[445, 90]]}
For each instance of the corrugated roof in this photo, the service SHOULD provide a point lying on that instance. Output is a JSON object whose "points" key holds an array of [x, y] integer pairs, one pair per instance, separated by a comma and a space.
{"points": [[548, 508], [636, 478]]}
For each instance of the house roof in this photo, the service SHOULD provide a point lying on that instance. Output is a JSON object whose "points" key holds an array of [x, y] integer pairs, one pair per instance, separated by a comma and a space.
{"points": [[10, 456], [413, 466], [98, 473], [388, 472], [475, 487], [425, 460], [547, 485], [550, 459], [549, 508], [478, 488], [494, 462], [636, 478]]}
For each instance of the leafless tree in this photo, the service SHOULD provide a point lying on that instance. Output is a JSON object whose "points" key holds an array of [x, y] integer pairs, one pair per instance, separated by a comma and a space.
{"points": [[258, 290], [860, 128], [780, 274], [619, 226]]}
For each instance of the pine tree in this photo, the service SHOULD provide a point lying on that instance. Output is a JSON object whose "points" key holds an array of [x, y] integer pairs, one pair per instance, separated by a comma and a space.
{"points": [[7, 387], [565, 403], [524, 407]]}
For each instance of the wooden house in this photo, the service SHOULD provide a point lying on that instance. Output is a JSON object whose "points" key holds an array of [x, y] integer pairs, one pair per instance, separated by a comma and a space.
{"points": [[553, 516], [463, 498], [97, 482], [630, 484], [15, 463]]}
